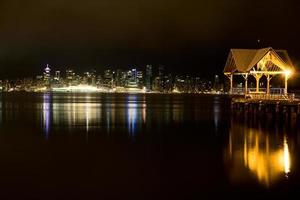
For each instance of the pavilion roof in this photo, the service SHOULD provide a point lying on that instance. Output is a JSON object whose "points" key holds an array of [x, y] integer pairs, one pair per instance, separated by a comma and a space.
{"points": [[244, 60]]}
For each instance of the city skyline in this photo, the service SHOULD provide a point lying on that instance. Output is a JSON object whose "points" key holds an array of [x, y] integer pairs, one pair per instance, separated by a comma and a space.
{"points": [[145, 80]]}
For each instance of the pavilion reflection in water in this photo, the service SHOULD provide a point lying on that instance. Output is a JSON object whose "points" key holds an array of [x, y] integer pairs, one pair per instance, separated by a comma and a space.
{"points": [[265, 155]]}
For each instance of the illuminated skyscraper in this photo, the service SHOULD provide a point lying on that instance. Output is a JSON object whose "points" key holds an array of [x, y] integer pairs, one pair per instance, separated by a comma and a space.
{"points": [[161, 70], [47, 75], [108, 80], [132, 78], [57, 75], [216, 83], [70, 77], [149, 78], [140, 78]]}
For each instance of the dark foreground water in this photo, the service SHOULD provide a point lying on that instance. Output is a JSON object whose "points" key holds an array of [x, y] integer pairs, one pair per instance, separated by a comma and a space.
{"points": [[108, 146]]}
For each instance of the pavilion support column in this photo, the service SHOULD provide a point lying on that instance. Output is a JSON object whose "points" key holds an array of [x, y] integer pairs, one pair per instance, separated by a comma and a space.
{"points": [[231, 83], [246, 83], [257, 78], [286, 77], [230, 76], [268, 83]]}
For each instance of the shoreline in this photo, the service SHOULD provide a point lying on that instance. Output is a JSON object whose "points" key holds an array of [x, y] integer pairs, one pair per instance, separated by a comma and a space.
{"points": [[144, 93]]}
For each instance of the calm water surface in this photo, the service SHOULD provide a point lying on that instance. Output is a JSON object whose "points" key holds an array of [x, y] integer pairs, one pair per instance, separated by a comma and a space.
{"points": [[69, 146]]}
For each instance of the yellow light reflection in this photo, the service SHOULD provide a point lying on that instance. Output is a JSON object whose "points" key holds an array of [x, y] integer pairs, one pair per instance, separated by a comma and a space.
{"points": [[77, 114], [259, 153], [87, 115], [286, 156]]}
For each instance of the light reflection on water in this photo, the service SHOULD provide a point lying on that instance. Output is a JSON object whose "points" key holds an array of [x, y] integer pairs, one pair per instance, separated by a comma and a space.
{"points": [[46, 113], [252, 152], [92, 113], [217, 112], [256, 152]]}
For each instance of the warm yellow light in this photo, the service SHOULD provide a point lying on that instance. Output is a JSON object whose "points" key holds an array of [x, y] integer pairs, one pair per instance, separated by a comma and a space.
{"points": [[288, 72], [286, 156], [78, 88], [261, 157]]}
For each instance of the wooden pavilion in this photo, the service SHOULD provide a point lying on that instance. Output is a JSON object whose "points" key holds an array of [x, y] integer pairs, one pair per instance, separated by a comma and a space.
{"points": [[258, 63]]}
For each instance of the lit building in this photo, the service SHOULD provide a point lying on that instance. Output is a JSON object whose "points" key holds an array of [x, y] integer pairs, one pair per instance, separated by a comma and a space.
{"points": [[70, 76], [168, 83], [140, 78], [108, 80], [197, 85], [57, 76], [179, 84], [47, 75], [132, 79], [161, 70], [121, 78], [216, 83], [148, 78]]}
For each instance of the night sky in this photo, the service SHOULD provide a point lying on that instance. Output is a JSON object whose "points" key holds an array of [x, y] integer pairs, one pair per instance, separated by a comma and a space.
{"points": [[187, 37]]}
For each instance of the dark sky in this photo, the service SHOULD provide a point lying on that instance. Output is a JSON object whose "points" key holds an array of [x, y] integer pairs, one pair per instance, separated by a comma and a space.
{"points": [[184, 35]]}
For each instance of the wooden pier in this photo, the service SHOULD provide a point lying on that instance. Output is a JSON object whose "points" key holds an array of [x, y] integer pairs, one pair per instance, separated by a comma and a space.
{"points": [[266, 105]]}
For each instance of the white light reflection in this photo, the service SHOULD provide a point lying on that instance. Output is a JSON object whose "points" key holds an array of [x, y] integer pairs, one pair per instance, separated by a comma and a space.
{"points": [[131, 114], [144, 114], [46, 113], [217, 112], [87, 116]]}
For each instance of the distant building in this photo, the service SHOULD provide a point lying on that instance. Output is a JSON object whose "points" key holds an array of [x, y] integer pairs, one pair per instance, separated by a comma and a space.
{"points": [[47, 75], [132, 78], [168, 83], [179, 84], [140, 79], [148, 81], [70, 77], [216, 86], [108, 78], [161, 70], [57, 76], [89, 78]]}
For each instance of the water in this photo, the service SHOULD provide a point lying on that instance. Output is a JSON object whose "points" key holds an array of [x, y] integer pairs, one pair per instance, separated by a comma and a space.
{"points": [[68, 146]]}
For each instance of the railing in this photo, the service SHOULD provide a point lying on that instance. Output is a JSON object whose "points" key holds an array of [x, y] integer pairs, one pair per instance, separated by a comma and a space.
{"points": [[289, 97], [275, 94], [241, 91]]}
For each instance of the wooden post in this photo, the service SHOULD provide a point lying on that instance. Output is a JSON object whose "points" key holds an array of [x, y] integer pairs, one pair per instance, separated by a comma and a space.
{"points": [[257, 77], [246, 83], [286, 76], [231, 83], [230, 76], [268, 83]]}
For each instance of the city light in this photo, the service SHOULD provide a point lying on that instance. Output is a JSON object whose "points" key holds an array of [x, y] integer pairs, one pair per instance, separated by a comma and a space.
{"points": [[78, 88], [113, 81]]}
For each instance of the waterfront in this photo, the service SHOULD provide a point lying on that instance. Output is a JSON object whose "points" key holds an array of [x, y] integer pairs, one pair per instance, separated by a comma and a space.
{"points": [[144, 146]]}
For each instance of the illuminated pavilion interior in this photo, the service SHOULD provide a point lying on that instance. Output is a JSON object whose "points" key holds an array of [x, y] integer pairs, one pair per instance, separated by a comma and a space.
{"points": [[258, 63]]}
